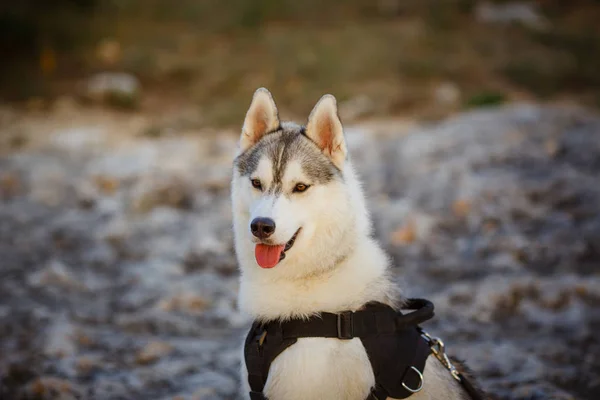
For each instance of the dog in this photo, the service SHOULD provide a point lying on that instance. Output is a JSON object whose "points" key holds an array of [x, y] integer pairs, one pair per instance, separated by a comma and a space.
{"points": [[304, 244]]}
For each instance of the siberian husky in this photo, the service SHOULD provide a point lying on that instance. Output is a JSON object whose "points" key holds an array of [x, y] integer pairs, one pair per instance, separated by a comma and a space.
{"points": [[304, 245]]}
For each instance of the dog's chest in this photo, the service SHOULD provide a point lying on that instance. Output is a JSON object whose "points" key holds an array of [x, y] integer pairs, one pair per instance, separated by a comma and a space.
{"points": [[320, 368]]}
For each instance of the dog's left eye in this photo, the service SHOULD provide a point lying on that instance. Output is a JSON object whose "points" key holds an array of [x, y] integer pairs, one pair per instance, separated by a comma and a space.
{"points": [[300, 187], [256, 184]]}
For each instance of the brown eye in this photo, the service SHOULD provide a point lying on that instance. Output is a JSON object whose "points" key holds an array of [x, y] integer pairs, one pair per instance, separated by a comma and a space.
{"points": [[300, 187], [256, 184]]}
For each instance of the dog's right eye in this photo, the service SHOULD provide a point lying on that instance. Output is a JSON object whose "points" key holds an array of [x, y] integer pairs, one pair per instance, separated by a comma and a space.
{"points": [[256, 184]]}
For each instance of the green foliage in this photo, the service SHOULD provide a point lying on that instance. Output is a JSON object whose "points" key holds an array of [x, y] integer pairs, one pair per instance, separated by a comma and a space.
{"points": [[486, 99]]}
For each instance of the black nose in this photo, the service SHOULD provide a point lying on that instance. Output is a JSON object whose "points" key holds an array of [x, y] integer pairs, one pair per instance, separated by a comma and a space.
{"points": [[262, 228]]}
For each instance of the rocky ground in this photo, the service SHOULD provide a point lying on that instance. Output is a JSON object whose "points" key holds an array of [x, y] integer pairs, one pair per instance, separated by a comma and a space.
{"points": [[118, 279]]}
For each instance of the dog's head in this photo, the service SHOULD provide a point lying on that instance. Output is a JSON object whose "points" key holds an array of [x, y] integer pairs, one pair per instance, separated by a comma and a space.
{"points": [[296, 202]]}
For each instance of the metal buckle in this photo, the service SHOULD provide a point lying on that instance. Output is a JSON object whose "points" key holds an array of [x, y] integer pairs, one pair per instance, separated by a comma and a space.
{"points": [[345, 326], [439, 351], [420, 384], [261, 338]]}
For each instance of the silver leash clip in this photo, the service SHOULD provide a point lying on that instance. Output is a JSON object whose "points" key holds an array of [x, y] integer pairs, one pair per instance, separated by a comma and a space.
{"points": [[439, 351]]}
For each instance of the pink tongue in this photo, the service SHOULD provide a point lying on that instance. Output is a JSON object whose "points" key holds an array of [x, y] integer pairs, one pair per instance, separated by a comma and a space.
{"points": [[267, 256]]}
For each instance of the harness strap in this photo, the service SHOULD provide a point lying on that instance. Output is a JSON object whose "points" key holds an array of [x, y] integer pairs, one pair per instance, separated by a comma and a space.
{"points": [[390, 337], [261, 347], [257, 396], [374, 319], [400, 363]]}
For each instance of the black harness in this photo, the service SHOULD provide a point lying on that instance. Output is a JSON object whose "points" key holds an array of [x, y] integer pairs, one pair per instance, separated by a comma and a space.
{"points": [[396, 346]]}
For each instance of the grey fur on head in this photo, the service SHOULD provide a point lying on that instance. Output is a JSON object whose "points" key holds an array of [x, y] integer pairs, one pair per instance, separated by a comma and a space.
{"points": [[286, 144]]}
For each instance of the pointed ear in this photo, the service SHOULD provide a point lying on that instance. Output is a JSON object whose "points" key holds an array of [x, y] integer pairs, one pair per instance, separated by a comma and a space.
{"points": [[325, 129], [261, 118]]}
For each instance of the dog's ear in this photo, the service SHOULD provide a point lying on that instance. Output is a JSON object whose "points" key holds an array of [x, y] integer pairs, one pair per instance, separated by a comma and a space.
{"points": [[261, 118], [325, 129]]}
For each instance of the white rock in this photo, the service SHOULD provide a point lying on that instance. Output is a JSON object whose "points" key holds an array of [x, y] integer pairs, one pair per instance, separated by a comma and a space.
{"points": [[114, 86], [60, 339], [522, 12], [447, 94]]}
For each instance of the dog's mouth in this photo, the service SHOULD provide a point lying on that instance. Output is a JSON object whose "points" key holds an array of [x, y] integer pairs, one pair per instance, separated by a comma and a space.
{"points": [[268, 256]]}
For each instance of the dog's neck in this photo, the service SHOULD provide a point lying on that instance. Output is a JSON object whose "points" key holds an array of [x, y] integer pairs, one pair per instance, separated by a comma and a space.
{"points": [[360, 277]]}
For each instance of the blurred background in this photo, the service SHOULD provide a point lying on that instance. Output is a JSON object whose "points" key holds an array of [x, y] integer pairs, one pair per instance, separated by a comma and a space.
{"points": [[474, 125]]}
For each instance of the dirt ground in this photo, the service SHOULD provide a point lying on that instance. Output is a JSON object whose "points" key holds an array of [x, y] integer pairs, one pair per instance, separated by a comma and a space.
{"points": [[118, 278]]}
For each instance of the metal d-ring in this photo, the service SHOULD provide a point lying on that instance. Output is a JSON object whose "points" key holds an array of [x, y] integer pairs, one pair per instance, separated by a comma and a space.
{"points": [[420, 385]]}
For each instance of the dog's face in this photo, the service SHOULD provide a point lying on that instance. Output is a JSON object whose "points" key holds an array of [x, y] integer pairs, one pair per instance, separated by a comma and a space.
{"points": [[292, 206]]}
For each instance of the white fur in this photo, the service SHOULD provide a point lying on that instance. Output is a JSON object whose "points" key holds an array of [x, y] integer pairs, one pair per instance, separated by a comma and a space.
{"points": [[334, 265]]}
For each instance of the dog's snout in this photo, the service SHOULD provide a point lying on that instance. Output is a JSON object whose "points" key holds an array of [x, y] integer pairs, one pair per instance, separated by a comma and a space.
{"points": [[262, 228]]}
